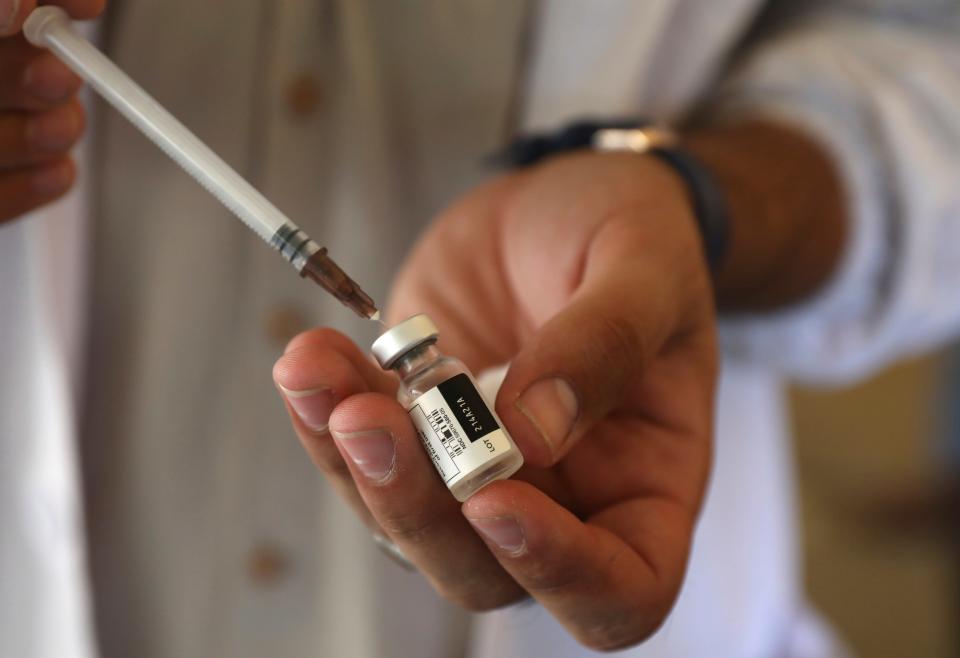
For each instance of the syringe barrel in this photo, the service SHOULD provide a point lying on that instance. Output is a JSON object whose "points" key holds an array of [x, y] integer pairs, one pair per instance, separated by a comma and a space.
{"points": [[50, 27]]}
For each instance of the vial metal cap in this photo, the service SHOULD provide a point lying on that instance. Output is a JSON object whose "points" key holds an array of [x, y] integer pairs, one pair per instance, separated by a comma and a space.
{"points": [[402, 338]]}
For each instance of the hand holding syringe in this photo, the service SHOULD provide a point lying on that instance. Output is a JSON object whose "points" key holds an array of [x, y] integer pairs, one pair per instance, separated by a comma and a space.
{"points": [[50, 27]]}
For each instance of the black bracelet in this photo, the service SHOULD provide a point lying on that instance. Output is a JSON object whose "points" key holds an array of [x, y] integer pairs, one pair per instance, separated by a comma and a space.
{"points": [[706, 197], [709, 204]]}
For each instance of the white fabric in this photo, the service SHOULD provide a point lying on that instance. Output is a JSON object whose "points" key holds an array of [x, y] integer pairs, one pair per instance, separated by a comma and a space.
{"points": [[878, 93], [189, 460], [43, 601]]}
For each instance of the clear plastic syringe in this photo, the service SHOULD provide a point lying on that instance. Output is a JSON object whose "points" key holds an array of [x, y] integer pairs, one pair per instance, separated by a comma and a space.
{"points": [[50, 27]]}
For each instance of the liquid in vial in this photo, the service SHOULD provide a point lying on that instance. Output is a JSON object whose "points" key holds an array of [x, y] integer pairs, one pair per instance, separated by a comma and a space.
{"points": [[459, 429]]}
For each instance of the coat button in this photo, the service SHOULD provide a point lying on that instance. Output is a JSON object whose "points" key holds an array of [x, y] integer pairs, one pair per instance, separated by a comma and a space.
{"points": [[266, 566], [304, 96], [282, 323]]}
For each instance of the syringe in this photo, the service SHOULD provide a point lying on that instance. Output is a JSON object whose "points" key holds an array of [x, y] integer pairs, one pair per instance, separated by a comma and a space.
{"points": [[50, 27]]}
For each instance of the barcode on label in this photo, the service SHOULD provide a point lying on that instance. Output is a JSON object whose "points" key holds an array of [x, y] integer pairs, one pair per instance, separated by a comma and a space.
{"points": [[442, 428], [457, 428]]}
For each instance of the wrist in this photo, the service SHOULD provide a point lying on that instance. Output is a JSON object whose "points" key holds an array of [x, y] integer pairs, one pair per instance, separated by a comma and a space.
{"points": [[785, 208], [766, 198], [706, 200]]}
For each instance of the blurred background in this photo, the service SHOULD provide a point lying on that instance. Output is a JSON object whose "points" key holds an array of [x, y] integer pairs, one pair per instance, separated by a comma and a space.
{"points": [[878, 468]]}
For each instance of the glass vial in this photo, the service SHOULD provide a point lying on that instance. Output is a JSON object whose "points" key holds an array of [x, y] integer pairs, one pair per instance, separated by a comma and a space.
{"points": [[458, 428]]}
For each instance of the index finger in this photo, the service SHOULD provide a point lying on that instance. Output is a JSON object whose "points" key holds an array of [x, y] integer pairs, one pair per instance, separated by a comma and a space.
{"points": [[14, 12], [325, 337]]}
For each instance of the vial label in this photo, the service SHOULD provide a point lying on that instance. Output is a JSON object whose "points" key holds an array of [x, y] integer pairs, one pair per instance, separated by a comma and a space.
{"points": [[457, 428]]}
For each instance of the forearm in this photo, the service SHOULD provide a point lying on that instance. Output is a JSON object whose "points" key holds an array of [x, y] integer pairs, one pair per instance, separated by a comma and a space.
{"points": [[786, 208]]}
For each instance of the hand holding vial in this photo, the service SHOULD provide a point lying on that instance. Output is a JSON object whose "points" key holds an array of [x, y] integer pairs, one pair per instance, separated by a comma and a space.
{"points": [[587, 276]]}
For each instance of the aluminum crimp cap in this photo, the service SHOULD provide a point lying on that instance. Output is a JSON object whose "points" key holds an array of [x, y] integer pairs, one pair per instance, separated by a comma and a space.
{"points": [[402, 338]]}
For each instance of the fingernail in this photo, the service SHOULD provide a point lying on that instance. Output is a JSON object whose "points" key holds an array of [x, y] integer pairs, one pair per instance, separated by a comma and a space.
{"points": [[49, 79], [54, 132], [313, 406], [552, 407], [374, 452], [51, 180], [504, 531], [8, 12]]}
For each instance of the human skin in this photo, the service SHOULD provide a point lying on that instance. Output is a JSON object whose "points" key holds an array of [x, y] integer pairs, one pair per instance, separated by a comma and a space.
{"points": [[587, 275], [40, 115]]}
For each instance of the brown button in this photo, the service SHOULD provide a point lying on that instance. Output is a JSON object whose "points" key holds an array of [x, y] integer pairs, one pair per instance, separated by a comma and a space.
{"points": [[282, 323], [266, 566], [304, 96]]}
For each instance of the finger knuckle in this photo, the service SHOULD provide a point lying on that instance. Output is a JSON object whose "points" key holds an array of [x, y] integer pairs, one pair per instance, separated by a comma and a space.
{"points": [[544, 578], [616, 340], [413, 527], [479, 591]]}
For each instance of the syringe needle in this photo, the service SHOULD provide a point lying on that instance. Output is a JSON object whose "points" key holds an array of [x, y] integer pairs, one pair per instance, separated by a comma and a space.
{"points": [[323, 270], [313, 263], [50, 27]]}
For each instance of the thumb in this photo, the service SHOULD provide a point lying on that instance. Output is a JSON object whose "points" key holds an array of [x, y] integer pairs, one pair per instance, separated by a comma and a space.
{"points": [[585, 362]]}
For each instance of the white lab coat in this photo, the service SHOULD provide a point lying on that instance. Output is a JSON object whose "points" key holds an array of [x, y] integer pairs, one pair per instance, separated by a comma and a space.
{"points": [[188, 460]]}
